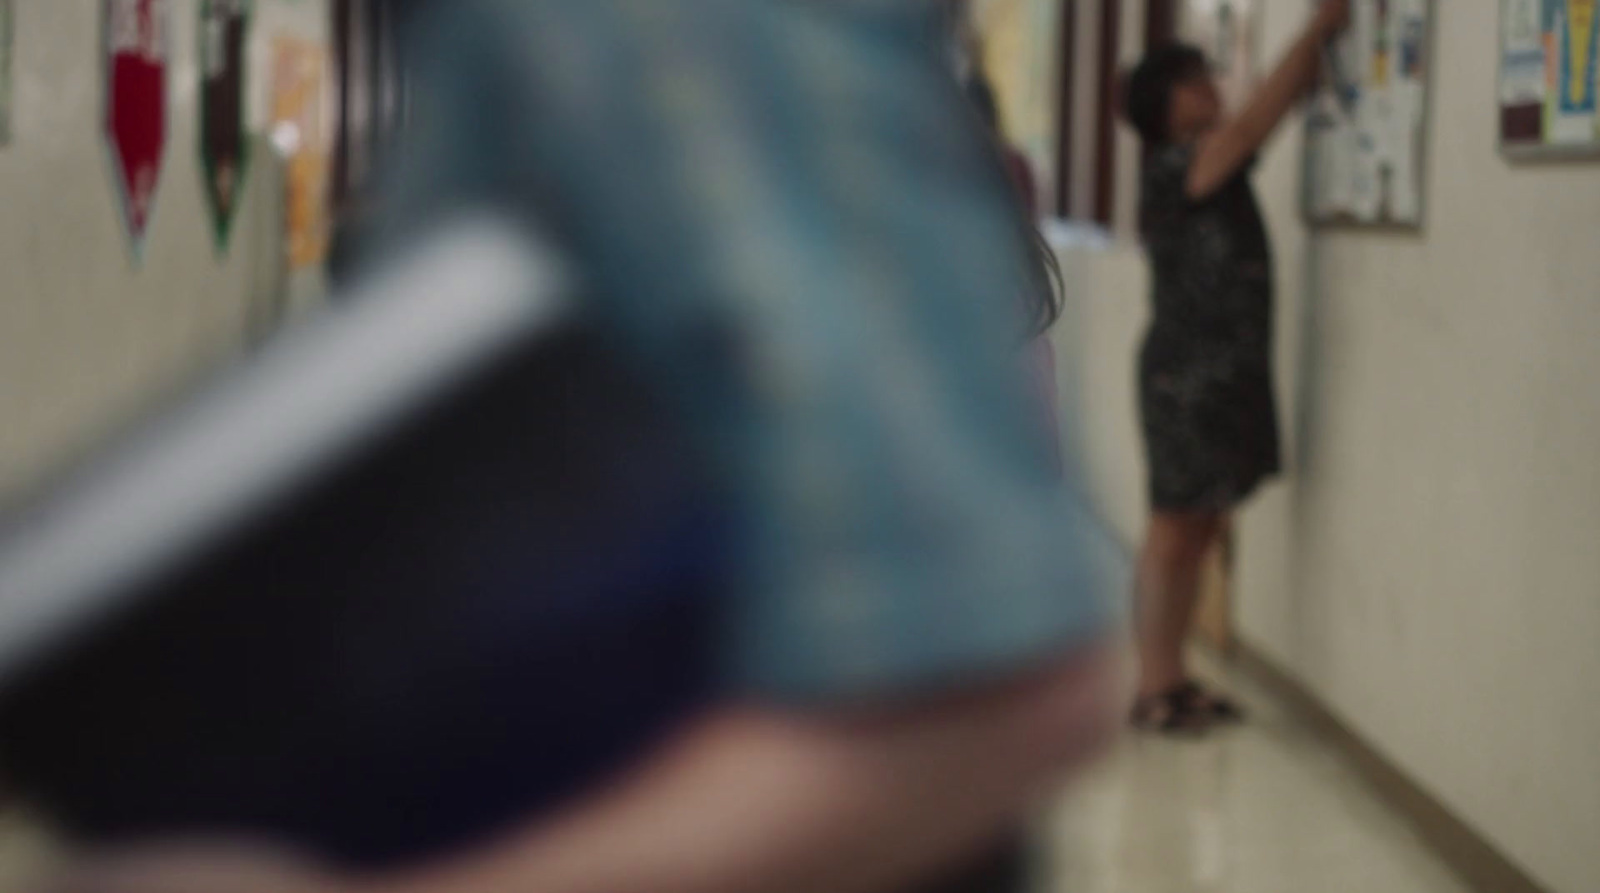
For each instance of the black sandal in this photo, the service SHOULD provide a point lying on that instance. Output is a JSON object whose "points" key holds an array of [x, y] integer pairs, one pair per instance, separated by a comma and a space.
{"points": [[1173, 712], [1219, 707]]}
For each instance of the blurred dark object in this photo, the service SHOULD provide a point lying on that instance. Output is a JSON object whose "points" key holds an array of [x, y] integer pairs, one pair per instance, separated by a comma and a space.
{"points": [[368, 38], [356, 672], [1008, 867]]}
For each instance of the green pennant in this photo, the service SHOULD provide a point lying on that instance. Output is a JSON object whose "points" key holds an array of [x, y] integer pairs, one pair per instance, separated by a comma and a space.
{"points": [[224, 144]]}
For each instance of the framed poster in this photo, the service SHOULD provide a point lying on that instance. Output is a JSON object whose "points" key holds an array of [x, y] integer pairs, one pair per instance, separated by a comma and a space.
{"points": [[224, 146], [1549, 78], [1367, 123], [7, 41], [1228, 32], [137, 51]]}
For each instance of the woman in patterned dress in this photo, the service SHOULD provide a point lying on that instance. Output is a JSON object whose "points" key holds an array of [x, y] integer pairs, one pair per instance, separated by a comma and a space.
{"points": [[1205, 379]]}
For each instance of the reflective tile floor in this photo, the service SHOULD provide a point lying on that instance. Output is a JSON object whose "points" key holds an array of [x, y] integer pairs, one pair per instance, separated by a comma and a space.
{"points": [[23, 852], [1264, 808]]}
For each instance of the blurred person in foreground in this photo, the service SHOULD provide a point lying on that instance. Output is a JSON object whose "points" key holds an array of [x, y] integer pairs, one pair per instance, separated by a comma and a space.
{"points": [[1205, 372], [787, 222]]}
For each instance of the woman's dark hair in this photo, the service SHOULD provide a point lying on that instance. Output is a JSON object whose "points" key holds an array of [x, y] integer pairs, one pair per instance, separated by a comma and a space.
{"points": [[1046, 297], [1147, 89], [981, 95]]}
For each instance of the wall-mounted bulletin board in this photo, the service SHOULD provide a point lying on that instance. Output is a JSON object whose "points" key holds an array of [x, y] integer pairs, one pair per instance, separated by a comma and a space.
{"points": [[1549, 78], [1365, 159]]}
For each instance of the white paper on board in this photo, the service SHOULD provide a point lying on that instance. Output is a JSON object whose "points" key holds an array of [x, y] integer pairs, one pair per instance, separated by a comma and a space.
{"points": [[1365, 177], [1337, 153], [1405, 183], [1380, 120], [1522, 53]]}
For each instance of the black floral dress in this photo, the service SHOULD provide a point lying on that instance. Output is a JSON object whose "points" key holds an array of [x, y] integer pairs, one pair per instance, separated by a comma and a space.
{"points": [[1205, 373]]}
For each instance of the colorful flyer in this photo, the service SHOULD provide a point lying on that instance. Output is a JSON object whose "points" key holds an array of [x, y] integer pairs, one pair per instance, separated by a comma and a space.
{"points": [[224, 148], [1549, 78], [137, 46], [300, 135], [1576, 34]]}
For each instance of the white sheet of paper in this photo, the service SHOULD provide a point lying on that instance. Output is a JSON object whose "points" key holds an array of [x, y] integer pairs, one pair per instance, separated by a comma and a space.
{"points": [[1405, 193], [1522, 53], [1338, 174]]}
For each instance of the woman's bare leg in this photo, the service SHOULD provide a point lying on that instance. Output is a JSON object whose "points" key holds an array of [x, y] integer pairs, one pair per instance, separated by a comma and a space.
{"points": [[1167, 588]]}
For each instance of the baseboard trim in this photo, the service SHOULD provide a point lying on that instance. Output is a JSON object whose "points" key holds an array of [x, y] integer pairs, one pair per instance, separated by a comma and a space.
{"points": [[1478, 862]]}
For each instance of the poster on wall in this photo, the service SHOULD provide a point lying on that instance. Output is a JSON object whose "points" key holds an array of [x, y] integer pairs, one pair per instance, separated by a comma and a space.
{"points": [[137, 46], [300, 135], [1367, 122], [1549, 77], [7, 41], [224, 147], [1227, 32]]}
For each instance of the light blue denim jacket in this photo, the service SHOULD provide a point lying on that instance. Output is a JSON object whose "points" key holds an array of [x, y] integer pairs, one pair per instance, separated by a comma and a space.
{"points": [[800, 183]]}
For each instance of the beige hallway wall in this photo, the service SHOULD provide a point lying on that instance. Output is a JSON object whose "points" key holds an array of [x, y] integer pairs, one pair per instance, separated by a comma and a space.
{"points": [[1432, 569], [87, 336]]}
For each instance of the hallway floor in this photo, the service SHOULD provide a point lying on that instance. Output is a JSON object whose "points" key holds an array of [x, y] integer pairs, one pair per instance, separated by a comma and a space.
{"points": [[23, 852], [1264, 808]]}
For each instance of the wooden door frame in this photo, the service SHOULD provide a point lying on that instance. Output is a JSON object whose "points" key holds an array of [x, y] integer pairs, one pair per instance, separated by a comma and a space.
{"points": [[1066, 105], [1110, 76], [1160, 23]]}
